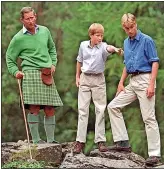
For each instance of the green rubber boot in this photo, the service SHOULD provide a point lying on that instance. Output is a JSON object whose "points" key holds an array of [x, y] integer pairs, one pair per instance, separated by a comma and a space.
{"points": [[49, 125], [33, 125]]}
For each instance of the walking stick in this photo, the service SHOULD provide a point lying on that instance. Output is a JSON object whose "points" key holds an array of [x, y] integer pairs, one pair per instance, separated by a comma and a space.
{"points": [[24, 114]]}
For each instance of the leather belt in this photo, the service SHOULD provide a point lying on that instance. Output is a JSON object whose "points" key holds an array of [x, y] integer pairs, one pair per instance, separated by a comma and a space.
{"points": [[137, 73], [93, 74]]}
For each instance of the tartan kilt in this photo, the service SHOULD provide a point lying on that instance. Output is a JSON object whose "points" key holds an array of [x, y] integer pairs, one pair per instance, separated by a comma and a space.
{"points": [[37, 93]]}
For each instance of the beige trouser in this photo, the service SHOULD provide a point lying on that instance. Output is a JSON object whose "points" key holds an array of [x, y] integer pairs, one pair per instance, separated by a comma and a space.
{"points": [[136, 89], [91, 86]]}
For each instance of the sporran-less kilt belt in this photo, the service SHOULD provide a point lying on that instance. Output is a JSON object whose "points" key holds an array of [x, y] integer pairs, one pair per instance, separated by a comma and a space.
{"points": [[36, 92]]}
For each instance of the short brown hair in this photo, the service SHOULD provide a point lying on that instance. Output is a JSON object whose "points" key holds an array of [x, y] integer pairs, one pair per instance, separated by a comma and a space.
{"points": [[26, 10], [95, 28], [128, 18]]}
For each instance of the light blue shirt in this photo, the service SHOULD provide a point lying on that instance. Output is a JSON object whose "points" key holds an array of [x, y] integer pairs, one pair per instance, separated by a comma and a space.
{"points": [[25, 31], [92, 58], [139, 53]]}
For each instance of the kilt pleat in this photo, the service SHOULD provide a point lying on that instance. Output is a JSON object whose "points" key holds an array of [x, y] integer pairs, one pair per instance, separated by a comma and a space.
{"points": [[36, 92]]}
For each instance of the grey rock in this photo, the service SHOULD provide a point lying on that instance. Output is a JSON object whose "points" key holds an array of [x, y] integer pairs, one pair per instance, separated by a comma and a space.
{"points": [[61, 155], [119, 156], [5, 157], [66, 148], [51, 153], [160, 166], [82, 161]]}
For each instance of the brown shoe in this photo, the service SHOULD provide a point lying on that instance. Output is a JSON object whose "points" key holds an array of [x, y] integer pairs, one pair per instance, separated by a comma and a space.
{"points": [[102, 147], [153, 161], [78, 147], [121, 146]]}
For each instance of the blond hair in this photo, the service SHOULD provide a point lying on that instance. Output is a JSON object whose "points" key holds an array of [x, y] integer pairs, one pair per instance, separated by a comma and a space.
{"points": [[26, 10], [95, 28], [128, 18]]}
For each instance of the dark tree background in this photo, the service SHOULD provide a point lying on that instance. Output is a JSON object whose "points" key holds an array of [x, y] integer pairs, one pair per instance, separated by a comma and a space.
{"points": [[69, 23]]}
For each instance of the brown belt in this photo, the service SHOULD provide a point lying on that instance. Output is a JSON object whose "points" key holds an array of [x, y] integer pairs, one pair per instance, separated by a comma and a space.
{"points": [[138, 73], [93, 74]]}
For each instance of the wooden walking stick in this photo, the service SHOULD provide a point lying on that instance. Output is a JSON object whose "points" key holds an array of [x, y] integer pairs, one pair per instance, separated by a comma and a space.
{"points": [[24, 114]]}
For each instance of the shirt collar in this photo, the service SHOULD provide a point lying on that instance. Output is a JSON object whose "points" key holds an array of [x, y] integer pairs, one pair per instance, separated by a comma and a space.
{"points": [[137, 37], [26, 31], [89, 45]]}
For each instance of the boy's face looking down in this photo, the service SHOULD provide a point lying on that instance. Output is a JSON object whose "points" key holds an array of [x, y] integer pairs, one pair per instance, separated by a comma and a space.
{"points": [[129, 25], [130, 29], [96, 38]]}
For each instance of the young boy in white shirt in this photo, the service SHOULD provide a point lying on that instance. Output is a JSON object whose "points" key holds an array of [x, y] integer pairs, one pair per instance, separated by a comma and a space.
{"points": [[91, 82]]}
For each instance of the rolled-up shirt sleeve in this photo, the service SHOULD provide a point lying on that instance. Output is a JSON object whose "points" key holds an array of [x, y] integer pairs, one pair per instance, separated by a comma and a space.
{"points": [[80, 54], [151, 51]]}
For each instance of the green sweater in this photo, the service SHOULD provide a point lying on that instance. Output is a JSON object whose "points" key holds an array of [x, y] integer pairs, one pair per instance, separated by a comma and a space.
{"points": [[36, 51]]}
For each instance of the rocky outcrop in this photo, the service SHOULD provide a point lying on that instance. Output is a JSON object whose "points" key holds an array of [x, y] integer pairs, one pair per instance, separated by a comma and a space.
{"points": [[51, 153], [103, 160], [61, 156]]}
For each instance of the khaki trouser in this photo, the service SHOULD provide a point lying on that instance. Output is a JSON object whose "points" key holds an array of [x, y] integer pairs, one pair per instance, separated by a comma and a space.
{"points": [[91, 86], [136, 89]]}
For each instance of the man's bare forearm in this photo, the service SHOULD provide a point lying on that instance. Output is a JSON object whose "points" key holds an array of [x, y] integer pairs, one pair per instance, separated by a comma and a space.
{"points": [[124, 76], [154, 72]]}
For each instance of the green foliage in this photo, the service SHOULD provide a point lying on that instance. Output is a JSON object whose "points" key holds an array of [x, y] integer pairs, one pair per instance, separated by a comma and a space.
{"points": [[68, 23], [90, 143], [24, 164]]}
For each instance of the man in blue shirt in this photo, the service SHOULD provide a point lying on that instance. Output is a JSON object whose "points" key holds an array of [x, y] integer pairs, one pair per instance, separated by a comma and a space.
{"points": [[141, 64]]}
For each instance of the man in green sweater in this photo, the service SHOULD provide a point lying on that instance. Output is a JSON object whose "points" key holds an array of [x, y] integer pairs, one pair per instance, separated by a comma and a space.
{"points": [[34, 45]]}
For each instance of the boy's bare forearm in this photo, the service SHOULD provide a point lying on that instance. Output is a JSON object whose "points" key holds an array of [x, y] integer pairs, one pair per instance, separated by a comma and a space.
{"points": [[78, 69], [113, 49]]}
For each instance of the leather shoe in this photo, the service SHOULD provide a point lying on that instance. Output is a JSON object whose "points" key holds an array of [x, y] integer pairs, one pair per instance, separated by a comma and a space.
{"points": [[153, 161], [78, 147], [121, 146], [102, 147]]}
